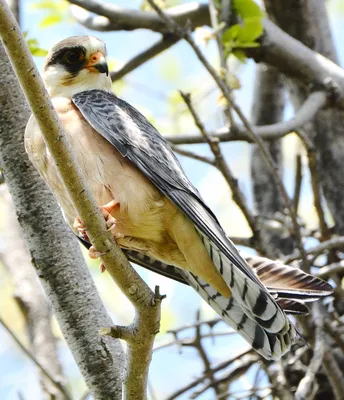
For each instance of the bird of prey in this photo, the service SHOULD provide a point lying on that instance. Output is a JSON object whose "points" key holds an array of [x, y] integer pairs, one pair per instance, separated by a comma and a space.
{"points": [[152, 209]]}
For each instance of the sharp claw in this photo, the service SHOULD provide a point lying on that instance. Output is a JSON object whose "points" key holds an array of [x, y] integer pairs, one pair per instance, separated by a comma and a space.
{"points": [[102, 268], [94, 254]]}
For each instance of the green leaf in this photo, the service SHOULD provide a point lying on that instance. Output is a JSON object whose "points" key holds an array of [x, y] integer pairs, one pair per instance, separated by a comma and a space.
{"points": [[251, 30], [34, 48], [231, 33], [240, 55], [43, 5], [247, 8], [50, 20], [38, 52]]}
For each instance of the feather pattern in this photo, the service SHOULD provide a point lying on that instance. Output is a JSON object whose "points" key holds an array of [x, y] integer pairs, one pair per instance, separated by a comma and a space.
{"points": [[251, 310]]}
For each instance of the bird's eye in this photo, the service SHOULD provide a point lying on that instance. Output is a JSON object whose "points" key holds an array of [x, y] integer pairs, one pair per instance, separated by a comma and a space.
{"points": [[73, 57]]}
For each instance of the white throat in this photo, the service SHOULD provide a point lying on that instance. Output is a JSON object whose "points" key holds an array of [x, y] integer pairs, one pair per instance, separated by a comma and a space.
{"points": [[61, 84]]}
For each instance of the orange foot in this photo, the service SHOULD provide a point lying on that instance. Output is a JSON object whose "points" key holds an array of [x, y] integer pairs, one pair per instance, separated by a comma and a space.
{"points": [[110, 223]]}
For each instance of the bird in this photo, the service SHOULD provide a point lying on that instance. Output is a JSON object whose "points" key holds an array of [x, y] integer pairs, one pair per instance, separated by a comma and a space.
{"points": [[154, 212]]}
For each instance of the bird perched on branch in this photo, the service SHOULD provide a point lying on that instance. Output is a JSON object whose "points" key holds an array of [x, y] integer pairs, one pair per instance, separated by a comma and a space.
{"points": [[152, 209]]}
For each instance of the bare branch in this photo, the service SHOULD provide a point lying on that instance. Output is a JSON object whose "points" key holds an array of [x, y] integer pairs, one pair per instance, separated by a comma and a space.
{"points": [[277, 47], [55, 253], [222, 166], [332, 269], [334, 243], [315, 102], [166, 42], [130, 19], [193, 155], [334, 373], [315, 181], [58, 385], [146, 303], [185, 33], [31, 299], [298, 182], [308, 382]]}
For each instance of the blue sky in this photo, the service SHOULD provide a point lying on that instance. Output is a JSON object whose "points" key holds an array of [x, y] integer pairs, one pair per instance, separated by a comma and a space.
{"points": [[150, 88]]}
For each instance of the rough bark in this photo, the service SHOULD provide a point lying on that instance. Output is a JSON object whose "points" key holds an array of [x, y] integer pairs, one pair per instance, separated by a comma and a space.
{"points": [[307, 22], [54, 251], [268, 106], [31, 300]]}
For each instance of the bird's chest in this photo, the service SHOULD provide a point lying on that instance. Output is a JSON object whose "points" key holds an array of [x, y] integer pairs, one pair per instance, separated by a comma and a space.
{"points": [[109, 175]]}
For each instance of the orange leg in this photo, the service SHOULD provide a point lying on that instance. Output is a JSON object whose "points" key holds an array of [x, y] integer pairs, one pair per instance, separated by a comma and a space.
{"points": [[110, 223]]}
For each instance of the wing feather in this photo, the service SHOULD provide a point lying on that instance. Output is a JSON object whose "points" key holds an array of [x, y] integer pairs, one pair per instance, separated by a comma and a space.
{"points": [[254, 312]]}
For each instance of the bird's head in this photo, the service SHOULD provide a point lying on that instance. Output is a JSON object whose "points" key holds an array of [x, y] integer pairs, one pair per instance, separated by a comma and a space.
{"points": [[76, 64]]}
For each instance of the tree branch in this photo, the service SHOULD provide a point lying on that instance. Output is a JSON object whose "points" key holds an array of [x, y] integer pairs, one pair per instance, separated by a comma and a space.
{"points": [[222, 166], [58, 385], [54, 250], [166, 42], [308, 382], [315, 102], [185, 33], [277, 47], [30, 298], [145, 302]]}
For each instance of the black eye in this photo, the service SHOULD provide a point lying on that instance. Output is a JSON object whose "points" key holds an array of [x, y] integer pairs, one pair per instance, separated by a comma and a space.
{"points": [[73, 57]]}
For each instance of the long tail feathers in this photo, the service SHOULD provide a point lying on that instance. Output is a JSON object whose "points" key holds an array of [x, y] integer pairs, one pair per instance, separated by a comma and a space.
{"points": [[256, 314]]}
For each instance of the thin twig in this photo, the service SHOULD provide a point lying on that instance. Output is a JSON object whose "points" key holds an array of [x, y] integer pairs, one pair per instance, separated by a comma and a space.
{"points": [[298, 182], [315, 181], [246, 362], [146, 303], [185, 33], [58, 385], [331, 269], [335, 334], [334, 243], [199, 380], [334, 373], [236, 132], [190, 154], [166, 42], [308, 382], [223, 167]]}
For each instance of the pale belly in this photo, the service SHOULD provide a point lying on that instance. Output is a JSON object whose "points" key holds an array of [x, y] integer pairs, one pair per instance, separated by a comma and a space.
{"points": [[144, 216]]}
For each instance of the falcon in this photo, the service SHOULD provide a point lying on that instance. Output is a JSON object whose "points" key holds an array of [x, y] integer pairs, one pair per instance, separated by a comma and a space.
{"points": [[155, 214]]}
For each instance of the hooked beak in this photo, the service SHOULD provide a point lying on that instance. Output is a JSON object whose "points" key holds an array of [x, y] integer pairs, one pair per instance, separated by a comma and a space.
{"points": [[97, 62]]}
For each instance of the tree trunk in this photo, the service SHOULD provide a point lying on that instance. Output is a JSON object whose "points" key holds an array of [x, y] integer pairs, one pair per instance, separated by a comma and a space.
{"points": [[55, 252]]}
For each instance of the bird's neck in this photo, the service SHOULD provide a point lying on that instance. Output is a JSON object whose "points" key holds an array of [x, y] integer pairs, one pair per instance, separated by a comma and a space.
{"points": [[68, 88]]}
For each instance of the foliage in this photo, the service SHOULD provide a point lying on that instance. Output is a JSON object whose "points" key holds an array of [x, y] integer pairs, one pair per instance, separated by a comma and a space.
{"points": [[245, 33], [56, 11], [34, 47]]}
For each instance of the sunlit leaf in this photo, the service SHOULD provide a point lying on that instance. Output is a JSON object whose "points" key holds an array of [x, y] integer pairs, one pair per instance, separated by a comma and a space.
{"points": [[50, 20], [247, 8]]}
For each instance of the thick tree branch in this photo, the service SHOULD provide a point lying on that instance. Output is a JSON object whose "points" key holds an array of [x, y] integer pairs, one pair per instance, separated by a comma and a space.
{"points": [[54, 251], [277, 48], [146, 303], [315, 102], [268, 106], [30, 298], [185, 33]]}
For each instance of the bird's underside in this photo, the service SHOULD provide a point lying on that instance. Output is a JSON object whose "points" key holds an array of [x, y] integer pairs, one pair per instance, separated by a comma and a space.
{"points": [[154, 211]]}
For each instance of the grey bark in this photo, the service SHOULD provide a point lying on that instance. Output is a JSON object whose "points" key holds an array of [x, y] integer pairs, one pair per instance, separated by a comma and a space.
{"points": [[31, 300], [268, 106], [307, 21], [55, 252]]}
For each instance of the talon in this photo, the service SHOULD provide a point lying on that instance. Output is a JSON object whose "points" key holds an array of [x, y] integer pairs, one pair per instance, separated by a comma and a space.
{"points": [[109, 207], [94, 254], [80, 227], [102, 268]]}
